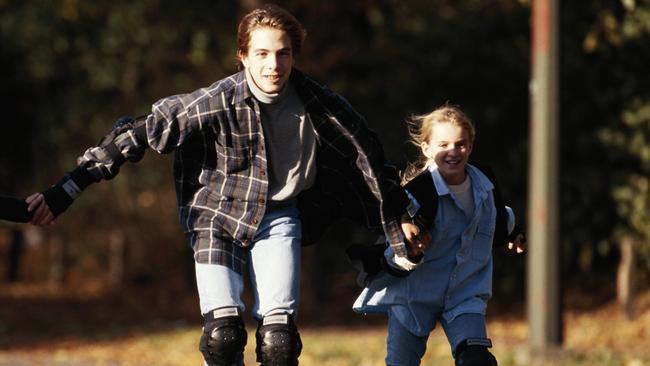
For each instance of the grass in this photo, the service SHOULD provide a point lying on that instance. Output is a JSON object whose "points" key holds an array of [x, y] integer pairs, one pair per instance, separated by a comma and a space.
{"points": [[323, 347], [96, 332]]}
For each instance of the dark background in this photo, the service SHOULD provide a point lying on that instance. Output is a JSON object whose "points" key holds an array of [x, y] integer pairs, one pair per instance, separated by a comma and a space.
{"points": [[69, 69]]}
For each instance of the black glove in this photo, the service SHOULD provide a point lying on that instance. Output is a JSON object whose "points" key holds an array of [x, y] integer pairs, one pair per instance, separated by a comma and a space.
{"points": [[61, 195], [372, 259]]}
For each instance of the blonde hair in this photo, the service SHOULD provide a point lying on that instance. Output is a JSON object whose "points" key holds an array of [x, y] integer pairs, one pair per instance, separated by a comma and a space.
{"points": [[420, 128]]}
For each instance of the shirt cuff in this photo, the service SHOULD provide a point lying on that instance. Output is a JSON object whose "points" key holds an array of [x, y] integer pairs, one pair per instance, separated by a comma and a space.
{"points": [[511, 219], [400, 263], [413, 207]]}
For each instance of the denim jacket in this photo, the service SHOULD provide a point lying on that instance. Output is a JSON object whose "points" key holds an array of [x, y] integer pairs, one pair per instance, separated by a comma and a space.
{"points": [[455, 276]]}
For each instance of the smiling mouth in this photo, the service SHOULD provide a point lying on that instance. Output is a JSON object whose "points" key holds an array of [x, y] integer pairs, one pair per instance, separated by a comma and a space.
{"points": [[452, 162], [273, 78]]}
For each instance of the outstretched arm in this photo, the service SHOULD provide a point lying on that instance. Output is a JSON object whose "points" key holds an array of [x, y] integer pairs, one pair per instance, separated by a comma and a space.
{"points": [[49, 204], [164, 129], [14, 209], [124, 142]]}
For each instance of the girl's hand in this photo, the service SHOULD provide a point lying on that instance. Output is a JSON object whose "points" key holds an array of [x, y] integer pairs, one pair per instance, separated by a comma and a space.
{"points": [[416, 243], [518, 244]]}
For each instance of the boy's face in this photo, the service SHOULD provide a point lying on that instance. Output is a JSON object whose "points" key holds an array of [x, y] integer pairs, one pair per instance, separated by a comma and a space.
{"points": [[449, 147], [269, 58]]}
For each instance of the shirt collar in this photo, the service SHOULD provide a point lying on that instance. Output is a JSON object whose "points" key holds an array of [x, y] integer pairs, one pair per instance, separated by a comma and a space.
{"points": [[438, 181], [242, 92], [261, 95], [479, 180]]}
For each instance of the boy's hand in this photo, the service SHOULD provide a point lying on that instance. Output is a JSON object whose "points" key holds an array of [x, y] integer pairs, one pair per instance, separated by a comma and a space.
{"points": [[42, 214]]}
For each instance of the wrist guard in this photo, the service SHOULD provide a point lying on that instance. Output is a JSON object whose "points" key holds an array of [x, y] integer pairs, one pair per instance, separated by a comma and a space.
{"points": [[61, 195]]}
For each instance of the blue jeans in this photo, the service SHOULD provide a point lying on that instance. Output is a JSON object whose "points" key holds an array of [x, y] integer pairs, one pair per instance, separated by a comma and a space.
{"points": [[274, 268], [407, 349]]}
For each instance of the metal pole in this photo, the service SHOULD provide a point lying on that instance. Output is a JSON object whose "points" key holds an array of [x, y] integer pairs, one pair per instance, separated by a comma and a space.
{"points": [[544, 315]]}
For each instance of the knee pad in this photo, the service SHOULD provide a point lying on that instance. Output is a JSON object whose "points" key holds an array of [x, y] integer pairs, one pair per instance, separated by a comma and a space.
{"points": [[474, 352], [224, 337], [278, 341]]}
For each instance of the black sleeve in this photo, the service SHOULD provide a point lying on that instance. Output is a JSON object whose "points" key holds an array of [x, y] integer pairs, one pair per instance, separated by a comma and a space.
{"points": [[14, 209]]}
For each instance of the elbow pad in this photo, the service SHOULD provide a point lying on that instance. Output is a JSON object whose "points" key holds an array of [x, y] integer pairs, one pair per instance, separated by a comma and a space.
{"points": [[135, 128]]}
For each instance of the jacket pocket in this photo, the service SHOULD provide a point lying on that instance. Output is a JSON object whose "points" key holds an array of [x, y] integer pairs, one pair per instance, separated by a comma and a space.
{"points": [[234, 159], [482, 245]]}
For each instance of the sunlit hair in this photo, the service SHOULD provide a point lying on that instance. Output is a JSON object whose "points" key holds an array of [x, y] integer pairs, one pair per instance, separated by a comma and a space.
{"points": [[420, 129], [269, 16]]}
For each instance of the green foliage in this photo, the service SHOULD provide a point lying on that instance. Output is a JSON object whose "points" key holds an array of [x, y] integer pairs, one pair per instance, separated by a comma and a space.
{"points": [[631, 141], [604, 130], [70, 68], [87, 63]]}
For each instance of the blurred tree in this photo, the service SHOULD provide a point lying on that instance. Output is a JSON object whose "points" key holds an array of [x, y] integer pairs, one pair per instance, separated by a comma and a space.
{"points": [[606, 119], [631, 140], [70, 68], [84, 64], [392, 59]]}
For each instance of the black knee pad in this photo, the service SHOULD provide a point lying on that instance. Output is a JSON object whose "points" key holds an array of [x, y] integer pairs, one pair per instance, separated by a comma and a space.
{"points": [[224, 337], [278, 341], [474, 352]]}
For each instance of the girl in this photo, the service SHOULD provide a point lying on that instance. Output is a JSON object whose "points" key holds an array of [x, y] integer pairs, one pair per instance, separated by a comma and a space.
{"points": [[453, 281]]}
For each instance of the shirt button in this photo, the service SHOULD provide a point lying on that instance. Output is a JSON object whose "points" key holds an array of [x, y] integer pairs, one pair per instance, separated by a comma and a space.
{"points": [[262, 173], [262, 200], [255, 221]]}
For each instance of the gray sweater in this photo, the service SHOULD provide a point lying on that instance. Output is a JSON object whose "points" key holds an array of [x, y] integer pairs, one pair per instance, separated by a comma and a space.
{"points": [[290, 142]]}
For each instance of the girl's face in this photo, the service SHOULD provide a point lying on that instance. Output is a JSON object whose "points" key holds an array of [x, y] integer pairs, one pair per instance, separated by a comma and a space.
{"points": [[449, 147]]}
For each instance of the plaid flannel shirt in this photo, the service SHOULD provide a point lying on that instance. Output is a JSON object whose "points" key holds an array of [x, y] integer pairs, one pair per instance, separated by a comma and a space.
{"points": [[220, 167]]}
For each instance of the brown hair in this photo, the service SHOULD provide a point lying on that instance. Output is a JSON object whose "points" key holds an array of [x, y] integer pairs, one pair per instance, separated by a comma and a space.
{"points": [[269, 16], [421, 128]]}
